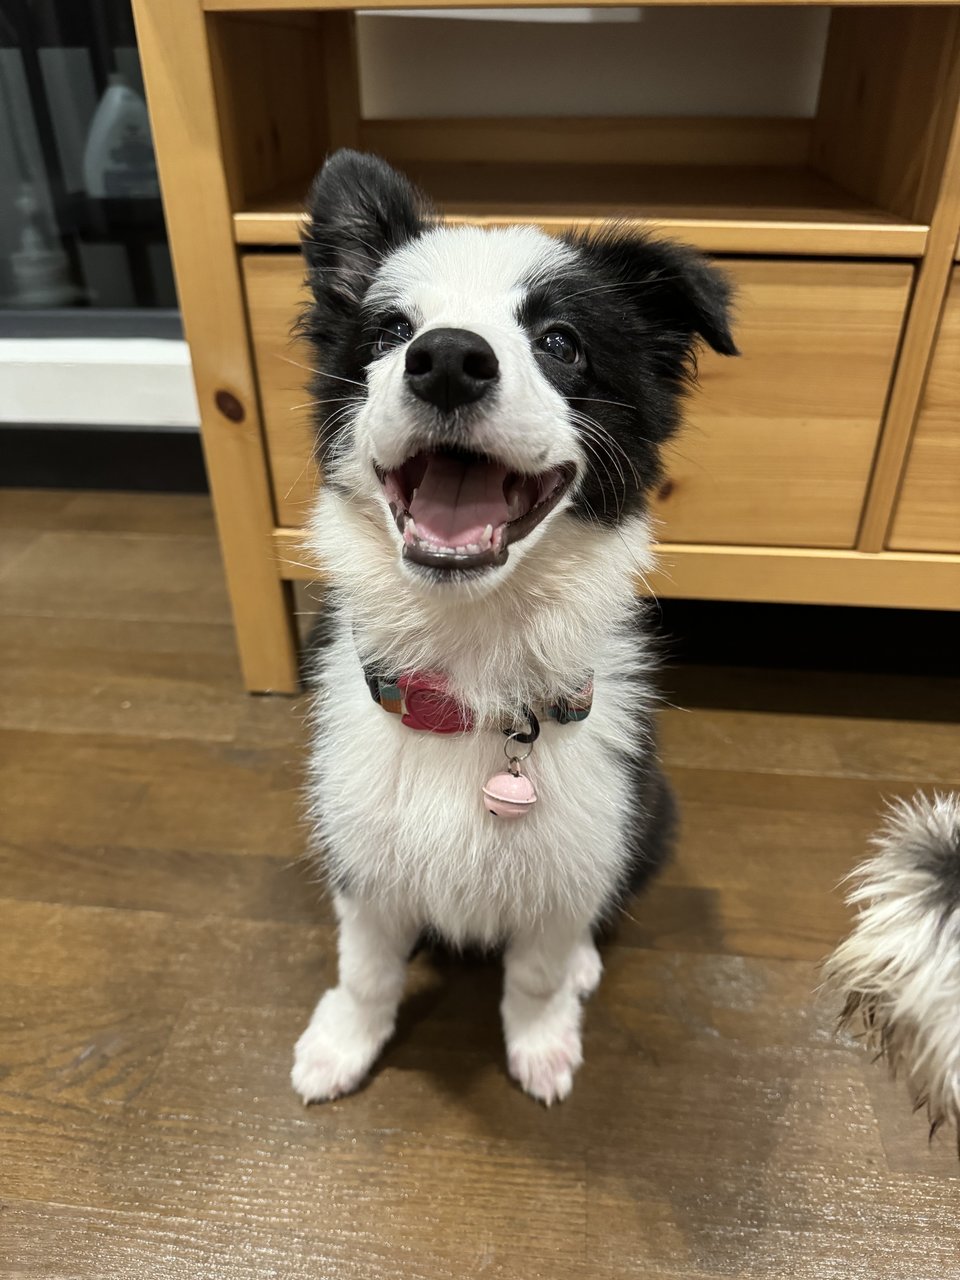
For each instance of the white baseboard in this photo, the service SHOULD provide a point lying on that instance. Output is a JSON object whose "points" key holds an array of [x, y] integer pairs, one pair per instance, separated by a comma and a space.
{"points": [[118, 382]]}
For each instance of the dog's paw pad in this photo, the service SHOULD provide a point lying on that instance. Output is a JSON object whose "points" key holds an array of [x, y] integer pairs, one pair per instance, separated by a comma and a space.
{"points": [[545, 1068], [586, 970]]}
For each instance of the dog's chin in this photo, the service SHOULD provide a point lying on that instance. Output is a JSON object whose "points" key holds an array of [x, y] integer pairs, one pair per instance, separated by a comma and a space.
{"points": [[463, 517], [427, 578]]}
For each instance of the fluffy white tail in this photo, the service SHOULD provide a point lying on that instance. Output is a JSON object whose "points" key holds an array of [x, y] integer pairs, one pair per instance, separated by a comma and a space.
{"points": [[899, 970]]}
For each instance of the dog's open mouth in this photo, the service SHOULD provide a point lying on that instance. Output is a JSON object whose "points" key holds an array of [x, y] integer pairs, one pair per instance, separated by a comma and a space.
{"points": [[459, 510]]}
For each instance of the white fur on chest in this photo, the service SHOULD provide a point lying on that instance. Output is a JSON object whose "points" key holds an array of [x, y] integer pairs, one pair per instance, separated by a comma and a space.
{"points": [[402, 814]]}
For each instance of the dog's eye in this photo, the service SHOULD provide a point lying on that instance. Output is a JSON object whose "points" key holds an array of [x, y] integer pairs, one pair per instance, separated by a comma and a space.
{"points": [[394, 331], [561, 345]]}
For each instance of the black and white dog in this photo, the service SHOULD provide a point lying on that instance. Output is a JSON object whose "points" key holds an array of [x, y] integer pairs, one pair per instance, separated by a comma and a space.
{"points": [[490, 409]]}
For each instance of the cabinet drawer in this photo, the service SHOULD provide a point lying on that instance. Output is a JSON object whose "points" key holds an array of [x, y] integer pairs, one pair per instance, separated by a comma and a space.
{"points": [[927, 517], [778, 443]]}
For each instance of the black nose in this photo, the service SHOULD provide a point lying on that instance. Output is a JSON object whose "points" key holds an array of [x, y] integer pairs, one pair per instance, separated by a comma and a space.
{"points": [[450, 367]]}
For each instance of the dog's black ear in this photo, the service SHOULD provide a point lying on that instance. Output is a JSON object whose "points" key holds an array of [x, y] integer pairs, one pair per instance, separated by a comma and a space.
{"points": [[671, 283], [358, 210]]}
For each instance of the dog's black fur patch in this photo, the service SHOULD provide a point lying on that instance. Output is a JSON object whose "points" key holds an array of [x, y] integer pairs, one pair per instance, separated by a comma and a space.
{"points": [[359, 209], [638, 307]]}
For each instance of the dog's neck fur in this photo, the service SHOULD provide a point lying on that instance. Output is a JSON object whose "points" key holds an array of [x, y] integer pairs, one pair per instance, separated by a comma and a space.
{"points": [[563, 613]]}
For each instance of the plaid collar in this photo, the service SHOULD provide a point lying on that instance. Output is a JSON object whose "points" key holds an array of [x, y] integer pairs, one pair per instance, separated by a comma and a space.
{"points": [[423, 701]]}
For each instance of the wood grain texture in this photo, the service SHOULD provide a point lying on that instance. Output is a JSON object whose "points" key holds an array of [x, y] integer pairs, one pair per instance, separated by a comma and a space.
{"points": [[719, 208], [903, 580], [777, 445], [920, 332], [179, 78], [276, 295], [595, 140], [883, 119], [161, 949], [341, 79], [928, 509], [264, 72]]}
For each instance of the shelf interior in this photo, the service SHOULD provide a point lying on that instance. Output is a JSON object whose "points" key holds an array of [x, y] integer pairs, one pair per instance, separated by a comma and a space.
{"points": [[721, 208]]}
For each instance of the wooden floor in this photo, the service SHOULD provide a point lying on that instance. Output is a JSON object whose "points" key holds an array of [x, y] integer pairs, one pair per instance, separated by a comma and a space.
{"points": [[161, 947]]}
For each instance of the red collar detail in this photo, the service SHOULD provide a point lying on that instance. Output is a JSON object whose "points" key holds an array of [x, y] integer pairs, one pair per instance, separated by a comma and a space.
{"points": [[423, 701], [430, 706]]}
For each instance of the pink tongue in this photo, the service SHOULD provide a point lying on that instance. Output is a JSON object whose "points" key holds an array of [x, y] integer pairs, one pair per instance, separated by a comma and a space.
{"points": [[457, 500]]}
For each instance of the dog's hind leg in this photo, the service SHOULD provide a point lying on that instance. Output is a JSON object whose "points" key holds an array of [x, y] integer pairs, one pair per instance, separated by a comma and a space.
{"points": [[541, 1010], [354, 1020]]}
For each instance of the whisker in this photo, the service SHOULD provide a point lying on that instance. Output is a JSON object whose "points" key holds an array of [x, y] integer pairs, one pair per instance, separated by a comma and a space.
{"points": [[331, 400], [598, 458], [596, 400], [322, 373], [589, 428], [299, 564], [610, 441], [602, 437]]}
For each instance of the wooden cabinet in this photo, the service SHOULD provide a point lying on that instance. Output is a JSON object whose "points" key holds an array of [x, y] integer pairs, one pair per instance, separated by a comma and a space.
{"points": [[823, 466], [927, 517]]}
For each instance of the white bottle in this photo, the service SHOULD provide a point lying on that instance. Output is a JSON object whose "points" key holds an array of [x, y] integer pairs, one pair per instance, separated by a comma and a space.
{"points": [[118, 160]]}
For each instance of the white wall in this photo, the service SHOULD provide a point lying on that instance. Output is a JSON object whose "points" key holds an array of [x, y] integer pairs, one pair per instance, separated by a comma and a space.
{"points": [[672, 61]]}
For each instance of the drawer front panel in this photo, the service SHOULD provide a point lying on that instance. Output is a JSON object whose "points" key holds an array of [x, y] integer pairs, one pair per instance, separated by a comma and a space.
{"points": [[928, 511], [778, 443]]}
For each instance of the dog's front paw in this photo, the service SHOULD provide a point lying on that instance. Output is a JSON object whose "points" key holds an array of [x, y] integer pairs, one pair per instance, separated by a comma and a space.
{"points": [[337, 1050], [543, 1056]]}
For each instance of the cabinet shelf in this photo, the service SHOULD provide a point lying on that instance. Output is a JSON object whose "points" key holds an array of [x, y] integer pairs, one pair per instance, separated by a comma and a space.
{"points": [[721, 209]]}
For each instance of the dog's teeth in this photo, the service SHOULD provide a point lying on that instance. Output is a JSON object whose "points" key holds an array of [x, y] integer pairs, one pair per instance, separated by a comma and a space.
{"points": [[487, 536], [414, 494]]}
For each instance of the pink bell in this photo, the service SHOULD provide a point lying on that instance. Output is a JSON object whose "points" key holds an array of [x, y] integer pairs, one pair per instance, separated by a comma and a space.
{"points": [[509, 795]]}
